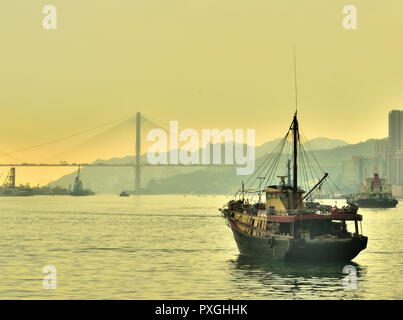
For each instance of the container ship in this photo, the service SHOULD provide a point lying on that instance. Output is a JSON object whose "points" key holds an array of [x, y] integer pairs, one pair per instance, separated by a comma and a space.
{"points": [[283, 227], [374, 193]]}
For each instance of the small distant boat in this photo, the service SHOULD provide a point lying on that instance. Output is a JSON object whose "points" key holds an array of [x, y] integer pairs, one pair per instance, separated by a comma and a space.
{"points": [[124, 194], [374, 193]]}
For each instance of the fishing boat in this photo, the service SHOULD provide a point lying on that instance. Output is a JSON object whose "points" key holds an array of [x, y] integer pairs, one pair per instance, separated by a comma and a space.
{"points": [[374, 193], [283, 227]]}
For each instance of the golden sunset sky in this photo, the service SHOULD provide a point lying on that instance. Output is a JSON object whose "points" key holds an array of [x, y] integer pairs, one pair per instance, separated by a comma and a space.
{"points": [[205, 63]]}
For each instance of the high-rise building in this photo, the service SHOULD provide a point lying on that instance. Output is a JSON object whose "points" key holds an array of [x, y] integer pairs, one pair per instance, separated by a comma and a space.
{"points": [[381, 151], [394, 130], [358, 168], [395, 148], [381, 148]]}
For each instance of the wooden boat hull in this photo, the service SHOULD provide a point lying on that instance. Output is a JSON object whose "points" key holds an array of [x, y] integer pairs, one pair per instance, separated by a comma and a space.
{"points": [[288, 249]]}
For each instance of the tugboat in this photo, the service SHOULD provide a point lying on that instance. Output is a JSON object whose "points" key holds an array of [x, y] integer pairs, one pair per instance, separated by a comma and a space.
{"points": [[283, 227], [78, 189], [374, 193]]}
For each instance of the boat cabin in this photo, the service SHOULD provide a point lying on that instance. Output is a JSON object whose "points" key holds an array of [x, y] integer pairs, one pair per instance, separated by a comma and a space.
{"points": [[280, 198]]}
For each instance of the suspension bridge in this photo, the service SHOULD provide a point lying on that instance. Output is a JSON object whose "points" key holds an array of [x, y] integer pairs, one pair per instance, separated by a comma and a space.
{"points": [[136, 163]]}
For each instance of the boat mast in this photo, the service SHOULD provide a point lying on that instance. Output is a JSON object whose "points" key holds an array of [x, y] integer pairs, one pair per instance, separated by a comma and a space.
{"points": [[295, 166], [295, 138], [289, 172]]}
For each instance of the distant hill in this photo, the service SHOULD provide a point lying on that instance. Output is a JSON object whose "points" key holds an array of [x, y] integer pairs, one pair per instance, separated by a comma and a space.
{"points": [[225, 181], [208, 180], [314, 144], [325, 143]]}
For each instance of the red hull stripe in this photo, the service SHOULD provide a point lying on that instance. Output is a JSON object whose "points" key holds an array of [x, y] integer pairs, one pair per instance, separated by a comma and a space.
{"points": [[335, 216]]}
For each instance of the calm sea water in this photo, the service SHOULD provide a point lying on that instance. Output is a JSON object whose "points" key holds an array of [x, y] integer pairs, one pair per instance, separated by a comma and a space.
{"points": [[172, 247]]}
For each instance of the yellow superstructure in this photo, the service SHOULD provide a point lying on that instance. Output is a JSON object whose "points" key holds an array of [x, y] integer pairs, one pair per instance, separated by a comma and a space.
{"points": [[280, 198], [251, 224]]}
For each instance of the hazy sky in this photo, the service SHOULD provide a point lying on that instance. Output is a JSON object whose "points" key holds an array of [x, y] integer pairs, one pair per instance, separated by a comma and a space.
{"points": [[206, 63]]}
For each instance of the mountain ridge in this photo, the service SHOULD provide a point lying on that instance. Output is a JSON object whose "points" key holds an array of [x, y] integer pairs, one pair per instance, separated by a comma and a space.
{"points": [[209, 180]]}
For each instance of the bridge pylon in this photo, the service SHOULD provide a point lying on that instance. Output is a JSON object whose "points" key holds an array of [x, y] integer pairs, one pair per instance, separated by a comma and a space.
{"points": [[138, 153]]}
